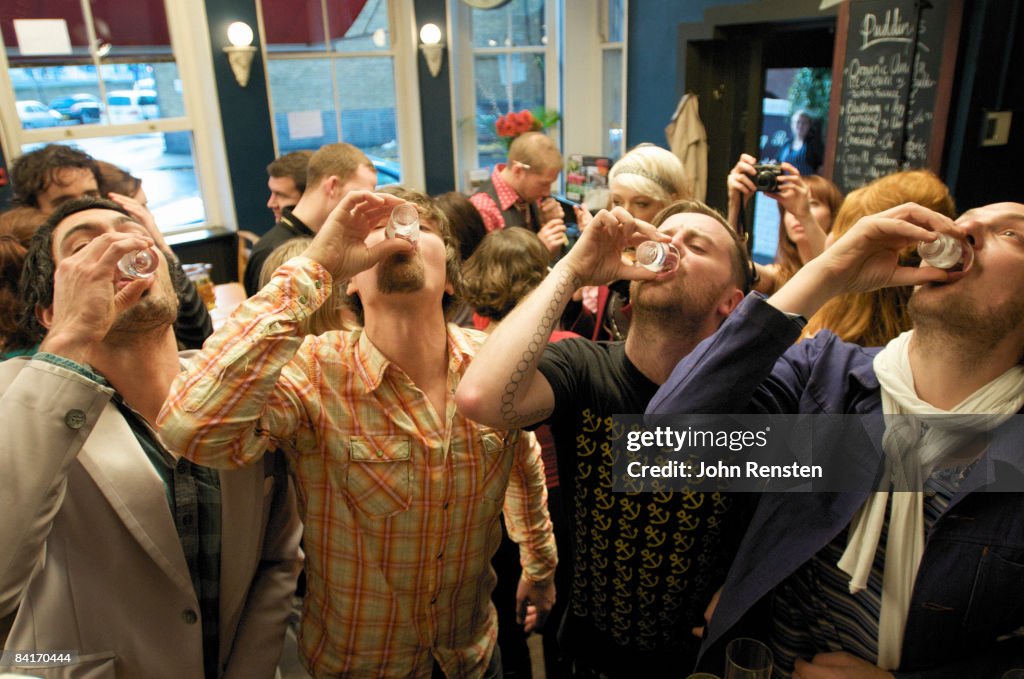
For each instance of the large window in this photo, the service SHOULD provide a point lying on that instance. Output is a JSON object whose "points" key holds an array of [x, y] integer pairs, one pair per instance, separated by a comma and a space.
{"points": [[333, 71], [507, 62], [563, 55], [108, 81]]}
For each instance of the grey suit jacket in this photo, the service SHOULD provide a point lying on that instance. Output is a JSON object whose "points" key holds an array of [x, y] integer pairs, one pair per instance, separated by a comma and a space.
{"points": [[89, 555]]}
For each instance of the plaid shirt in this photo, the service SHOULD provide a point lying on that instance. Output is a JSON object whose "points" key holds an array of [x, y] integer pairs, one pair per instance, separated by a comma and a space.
{"points": [[400, 505]]}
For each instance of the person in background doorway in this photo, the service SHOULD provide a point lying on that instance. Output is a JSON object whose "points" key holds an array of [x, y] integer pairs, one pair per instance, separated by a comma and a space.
{"points": [[519, 191]]}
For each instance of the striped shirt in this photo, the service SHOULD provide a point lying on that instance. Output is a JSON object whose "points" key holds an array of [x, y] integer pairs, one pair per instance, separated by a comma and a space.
{"points": [[814, 611], [400, 503]]}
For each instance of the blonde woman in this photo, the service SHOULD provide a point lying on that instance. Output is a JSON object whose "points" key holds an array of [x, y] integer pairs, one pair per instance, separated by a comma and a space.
{"points": [[647, 179], [333, 314]]}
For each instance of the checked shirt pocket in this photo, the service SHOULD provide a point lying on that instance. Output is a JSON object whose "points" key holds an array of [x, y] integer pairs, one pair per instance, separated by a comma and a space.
{"points": [[380, 474]]}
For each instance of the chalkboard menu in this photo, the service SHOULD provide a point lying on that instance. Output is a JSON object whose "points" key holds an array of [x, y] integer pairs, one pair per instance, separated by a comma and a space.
{"points": [[888, 115]]}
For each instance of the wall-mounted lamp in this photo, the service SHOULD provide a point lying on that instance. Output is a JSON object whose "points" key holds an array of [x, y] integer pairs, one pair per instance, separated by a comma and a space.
{"points": [[432, 47], [241, 51]]}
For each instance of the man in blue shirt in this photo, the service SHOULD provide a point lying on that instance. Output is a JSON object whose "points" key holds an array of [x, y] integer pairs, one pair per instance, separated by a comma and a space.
{"points": [[907, 584]]}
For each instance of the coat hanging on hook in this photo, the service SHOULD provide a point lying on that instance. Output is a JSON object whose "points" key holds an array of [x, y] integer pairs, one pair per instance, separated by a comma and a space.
{"points": [[689, 141]]}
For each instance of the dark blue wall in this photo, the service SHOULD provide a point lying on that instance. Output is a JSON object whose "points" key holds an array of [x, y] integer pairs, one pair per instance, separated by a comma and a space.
{"points": [[245, 115], [652, 84], [436, 107]]}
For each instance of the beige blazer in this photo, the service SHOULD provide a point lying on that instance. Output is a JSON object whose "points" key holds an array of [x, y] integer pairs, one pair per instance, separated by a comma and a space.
{"points": [[687, 139], [89, 555]]}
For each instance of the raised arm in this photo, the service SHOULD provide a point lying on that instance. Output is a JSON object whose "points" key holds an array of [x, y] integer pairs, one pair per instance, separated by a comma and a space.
{"points": [[502, 387], [741, 187], [246, 386], [735, 370], [795, 197]]}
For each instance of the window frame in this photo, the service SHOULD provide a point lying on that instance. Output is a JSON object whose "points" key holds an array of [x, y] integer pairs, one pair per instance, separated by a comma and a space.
{"points": [[464, 88], [402, 51], [187, 26]]}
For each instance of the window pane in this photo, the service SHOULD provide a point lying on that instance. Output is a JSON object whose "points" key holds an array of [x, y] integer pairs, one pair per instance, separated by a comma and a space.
{"points": [[611, 109], [616, 18], [518, 24], [141, 32], [354, 25], [164, 163], [70, 95], [504, 82], [293, 25], [368, 113], [142, 91], [358, 25], [303, 101]]}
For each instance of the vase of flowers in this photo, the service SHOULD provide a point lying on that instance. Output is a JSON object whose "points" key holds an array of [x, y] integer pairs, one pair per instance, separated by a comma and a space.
{"points": [[515, 123]]}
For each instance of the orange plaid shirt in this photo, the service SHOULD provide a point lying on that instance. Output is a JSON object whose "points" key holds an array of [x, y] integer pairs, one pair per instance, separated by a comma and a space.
{"points": [[400, 504]]}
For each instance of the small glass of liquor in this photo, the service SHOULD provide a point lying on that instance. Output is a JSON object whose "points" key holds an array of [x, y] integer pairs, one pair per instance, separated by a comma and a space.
{"points": [[946, 252], [139, 264], [656, 256], [404, 222]]}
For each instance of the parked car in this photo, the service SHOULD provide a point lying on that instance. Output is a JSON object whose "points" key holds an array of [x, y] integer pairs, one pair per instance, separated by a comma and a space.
{"points": [[34, 114], [131, 106], [83, 108]]}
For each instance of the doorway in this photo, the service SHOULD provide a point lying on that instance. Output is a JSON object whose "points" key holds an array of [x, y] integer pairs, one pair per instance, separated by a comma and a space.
{"points": [[750, 78]]}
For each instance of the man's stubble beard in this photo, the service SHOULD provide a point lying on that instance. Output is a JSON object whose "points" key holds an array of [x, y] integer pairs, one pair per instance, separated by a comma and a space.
{"points": [[400, 273], [685, 312], [957, 317], [151, 313]]}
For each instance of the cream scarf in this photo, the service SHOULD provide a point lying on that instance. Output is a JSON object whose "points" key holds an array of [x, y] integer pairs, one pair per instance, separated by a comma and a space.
{"points": [[915, 442]]}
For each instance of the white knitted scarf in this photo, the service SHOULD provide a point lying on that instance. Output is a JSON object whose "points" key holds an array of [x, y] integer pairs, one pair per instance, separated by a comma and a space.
{"points": [[915, 441]]}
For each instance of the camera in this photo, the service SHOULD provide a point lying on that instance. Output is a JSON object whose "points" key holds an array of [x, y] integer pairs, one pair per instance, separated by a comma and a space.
{"points": [[766, 177]]}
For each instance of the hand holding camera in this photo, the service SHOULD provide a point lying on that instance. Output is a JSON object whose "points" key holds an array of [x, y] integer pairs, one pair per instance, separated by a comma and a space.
{"points": [[766, 177]]}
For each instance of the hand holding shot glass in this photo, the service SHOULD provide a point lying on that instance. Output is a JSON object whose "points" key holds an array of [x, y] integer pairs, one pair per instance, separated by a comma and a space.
{"points": [[404, 223], [139, 264], [657, 256]]}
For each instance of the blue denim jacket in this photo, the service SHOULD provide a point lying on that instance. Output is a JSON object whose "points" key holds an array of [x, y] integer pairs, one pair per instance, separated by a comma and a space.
{"points": [[969, 594]]}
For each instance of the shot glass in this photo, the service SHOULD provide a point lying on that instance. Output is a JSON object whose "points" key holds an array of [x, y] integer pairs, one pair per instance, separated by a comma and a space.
{"points": [[658, 257], [946, 252], [404, 222], [139, 264]]}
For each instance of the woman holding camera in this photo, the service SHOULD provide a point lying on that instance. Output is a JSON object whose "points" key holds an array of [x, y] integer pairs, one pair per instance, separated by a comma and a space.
{"points": [[806, 208]]}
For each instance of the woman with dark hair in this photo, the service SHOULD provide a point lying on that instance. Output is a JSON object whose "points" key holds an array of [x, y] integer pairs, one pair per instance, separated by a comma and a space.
{"points": [[506, 266], [465, 219]]}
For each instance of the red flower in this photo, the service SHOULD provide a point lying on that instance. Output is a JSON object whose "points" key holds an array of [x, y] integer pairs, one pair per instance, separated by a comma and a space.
{"points": [[524, 121], [504, 127]]}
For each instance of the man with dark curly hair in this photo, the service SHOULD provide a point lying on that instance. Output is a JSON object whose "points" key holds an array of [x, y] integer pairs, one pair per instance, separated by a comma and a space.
{"points": [[53, 175], [56, 174]]}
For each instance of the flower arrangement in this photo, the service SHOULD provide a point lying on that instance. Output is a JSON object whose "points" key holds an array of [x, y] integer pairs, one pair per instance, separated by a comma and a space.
{"points": [[515, 123]]}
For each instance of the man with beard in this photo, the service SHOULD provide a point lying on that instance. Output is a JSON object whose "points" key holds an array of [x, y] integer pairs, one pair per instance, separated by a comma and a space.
{"points": [[925, 582], [644, 565], [55, 174], [401, 493], [141, 564]]}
